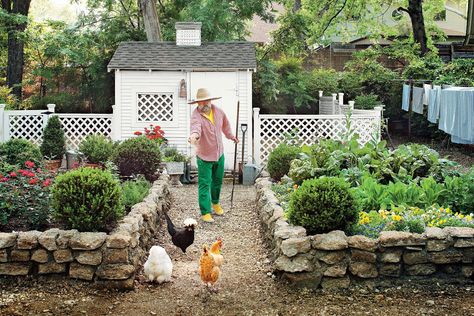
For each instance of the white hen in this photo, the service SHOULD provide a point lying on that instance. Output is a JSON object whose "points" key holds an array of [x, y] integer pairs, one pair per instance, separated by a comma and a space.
{"points": [[158, 266]]}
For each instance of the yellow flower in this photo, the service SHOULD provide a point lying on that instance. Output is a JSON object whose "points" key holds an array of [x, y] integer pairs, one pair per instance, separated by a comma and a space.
{"points": [[295, 186], [396, 218], [469, 218], [448, 210]]}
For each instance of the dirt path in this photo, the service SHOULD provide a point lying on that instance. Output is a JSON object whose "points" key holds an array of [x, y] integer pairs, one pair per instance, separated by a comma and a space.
{"points": [[246, 287]]}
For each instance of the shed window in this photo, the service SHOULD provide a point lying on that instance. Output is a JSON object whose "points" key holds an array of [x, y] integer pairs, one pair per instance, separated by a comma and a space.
{"points": [[155, 107]]}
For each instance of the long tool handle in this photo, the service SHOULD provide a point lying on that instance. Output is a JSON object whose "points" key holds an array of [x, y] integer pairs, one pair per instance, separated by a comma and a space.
{"points": [[235, 157]]}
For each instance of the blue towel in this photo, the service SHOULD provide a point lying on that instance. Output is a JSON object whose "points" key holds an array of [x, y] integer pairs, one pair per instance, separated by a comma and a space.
{"points": [[433, 104], [405, 97], [417, 105], [456, 114]]}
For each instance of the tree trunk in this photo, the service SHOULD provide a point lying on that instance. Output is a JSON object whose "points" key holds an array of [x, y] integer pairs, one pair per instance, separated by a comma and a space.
{"points": [[150, 20], [16, 45], [415, 10]]}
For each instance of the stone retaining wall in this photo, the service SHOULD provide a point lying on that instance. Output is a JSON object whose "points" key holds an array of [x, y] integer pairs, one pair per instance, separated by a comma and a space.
{"points": [[110, 260], [334, 260]]}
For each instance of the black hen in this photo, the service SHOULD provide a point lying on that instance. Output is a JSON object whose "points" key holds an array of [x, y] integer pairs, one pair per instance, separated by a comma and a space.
{"points": [[182, 237]]}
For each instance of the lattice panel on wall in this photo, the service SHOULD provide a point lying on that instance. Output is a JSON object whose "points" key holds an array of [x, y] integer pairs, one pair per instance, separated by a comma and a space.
{"points": [[28, 127], [308, 130], [155, 107], [77, 127]]}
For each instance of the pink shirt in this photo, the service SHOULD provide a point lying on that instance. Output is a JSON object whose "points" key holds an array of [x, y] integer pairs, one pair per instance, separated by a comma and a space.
{"points": [[210, 146]]}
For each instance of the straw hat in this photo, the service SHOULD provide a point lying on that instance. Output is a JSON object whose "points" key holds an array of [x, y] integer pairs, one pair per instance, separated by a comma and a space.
{"points": [[202, 95]]}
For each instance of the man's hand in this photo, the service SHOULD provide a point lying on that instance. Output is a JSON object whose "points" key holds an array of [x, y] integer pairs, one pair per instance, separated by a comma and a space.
{"points": [[193, 139], [235, 139]]}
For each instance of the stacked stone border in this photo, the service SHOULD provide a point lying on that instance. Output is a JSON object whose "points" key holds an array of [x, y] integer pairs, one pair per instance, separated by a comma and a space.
{"points": [[109, 260], [334, 260]]}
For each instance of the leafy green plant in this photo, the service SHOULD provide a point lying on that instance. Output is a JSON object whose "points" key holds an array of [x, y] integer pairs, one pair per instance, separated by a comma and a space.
{"points": [[134, 191], [25, 198], [279, 160], [19, 151], [325, 80], [170, 154], [97, 148], [87, 199], [138, 155], [54, 143], [321, 205], [366, 101]]}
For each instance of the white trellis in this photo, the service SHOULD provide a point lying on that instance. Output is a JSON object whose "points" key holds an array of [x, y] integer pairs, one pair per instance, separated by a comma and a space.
{"points": [[270, 130], [29, 124]]}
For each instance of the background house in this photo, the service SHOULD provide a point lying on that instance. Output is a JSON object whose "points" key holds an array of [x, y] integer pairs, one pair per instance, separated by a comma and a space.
{"points": [[155, 81]]}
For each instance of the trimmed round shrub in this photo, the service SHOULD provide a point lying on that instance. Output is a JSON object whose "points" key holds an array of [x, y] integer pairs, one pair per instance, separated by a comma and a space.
{"points": [[54, 143], [322, 205], [18, 151], [97, 148], [279, 160], [87, 199], [138, 155]]}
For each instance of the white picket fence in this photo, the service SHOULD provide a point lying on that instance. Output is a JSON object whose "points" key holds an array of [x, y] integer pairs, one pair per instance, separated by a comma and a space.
{"points": [[29, 124], [270, 130]]}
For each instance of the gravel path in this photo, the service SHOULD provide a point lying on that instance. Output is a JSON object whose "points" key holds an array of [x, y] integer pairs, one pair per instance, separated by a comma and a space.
{"points": [[247, 286]]}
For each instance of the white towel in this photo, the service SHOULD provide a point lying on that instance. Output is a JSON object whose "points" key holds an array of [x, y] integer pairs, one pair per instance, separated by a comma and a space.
{"points": [[417, 102], [426, 95]]}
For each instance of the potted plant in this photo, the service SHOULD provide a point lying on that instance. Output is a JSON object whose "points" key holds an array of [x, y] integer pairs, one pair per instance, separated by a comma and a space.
{"points": [[97, 150], [54, 144], [174, 163]]}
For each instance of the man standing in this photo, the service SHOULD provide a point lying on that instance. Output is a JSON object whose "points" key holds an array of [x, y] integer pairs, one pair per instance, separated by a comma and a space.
{"points": [[208, 123]]}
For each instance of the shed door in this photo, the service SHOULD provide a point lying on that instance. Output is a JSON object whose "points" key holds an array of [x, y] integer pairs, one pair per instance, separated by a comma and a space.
{"points": [[222, 84]]}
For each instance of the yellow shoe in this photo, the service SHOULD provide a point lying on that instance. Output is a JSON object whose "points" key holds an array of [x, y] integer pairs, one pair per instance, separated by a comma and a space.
{"points": [[217, 209], [207, 218]]}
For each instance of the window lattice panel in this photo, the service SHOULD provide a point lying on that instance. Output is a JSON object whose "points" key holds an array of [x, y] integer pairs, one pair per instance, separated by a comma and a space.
{"points": [[308, 130], [157, 107], [28, 127], [76, 128]]}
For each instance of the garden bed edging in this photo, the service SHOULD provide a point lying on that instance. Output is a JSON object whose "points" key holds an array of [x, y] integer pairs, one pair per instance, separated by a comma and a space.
{"points": [[334, 260], [109, 260]]}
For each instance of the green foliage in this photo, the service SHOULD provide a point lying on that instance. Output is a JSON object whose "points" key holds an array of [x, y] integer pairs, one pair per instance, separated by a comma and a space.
{"points": [[294, 83], [321, 205], [25, 198], [265, 83], [54, 142], [459, 192], [459, 72], [138, 155], [325, 80], [97, 148], [87, 199], [170, 154], [134, 191], [6, 96], [279, 160], [18, 151], [366, 101], [425, 68]]}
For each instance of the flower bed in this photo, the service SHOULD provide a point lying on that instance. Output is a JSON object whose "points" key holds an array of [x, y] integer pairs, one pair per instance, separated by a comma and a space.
{"points": [[335, 260], [110, 260]]}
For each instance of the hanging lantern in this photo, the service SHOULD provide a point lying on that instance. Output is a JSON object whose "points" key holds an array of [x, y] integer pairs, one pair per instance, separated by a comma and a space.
{"points": [[182, 89]]}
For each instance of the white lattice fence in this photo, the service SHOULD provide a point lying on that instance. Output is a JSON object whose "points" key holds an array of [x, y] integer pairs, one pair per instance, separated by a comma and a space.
{"points": [[78, 126], [270, 130], [30, 124]]}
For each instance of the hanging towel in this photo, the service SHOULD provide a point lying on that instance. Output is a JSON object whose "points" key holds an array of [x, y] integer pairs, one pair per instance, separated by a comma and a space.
{"points": [[426, 95], [433, 104], [456, 114], [417, 104], [405, 97]]}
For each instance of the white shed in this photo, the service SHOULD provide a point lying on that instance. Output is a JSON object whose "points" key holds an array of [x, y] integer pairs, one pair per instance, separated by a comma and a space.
{"points": [[155, 81]]}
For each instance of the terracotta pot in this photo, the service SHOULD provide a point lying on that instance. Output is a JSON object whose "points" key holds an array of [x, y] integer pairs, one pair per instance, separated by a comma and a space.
{"points": [[52, 165]]}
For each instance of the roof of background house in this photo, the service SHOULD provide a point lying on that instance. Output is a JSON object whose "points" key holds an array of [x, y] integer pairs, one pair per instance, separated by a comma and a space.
{"points": [[169, 56], [260, 30]]}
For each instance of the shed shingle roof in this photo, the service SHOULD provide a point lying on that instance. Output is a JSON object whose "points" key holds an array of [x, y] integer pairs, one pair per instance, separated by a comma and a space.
{"points": [[169, 56]]}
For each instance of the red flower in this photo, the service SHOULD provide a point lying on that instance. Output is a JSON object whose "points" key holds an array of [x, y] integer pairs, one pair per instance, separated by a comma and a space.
{"points": [[29, 164], [137, 133], [12, 175], [38, 170], [33, 181], [4, 179], [29, 174], [46, 182]]}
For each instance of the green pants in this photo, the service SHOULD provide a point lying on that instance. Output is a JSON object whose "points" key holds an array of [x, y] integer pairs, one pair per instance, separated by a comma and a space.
{"points": [[210, 175]]}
